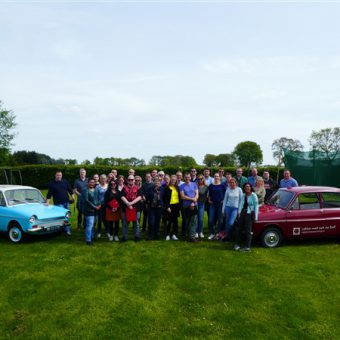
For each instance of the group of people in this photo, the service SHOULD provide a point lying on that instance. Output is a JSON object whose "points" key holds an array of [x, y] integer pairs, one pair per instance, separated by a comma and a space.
{"points": [[106, 202]]}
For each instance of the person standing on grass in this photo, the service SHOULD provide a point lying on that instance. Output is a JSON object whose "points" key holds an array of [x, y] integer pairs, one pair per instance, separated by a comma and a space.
{"points": [[179, 176], [230, 206], [172, 208], [154, 199], [202, 199], [221, 173], [189, 195], [254, 177], [248, 213], [80, 185], [91, 207], [60, 189], [145, 188], [120, 183], [240, 179], [260, 191], [193, 174], [207, 178], [112, 204], [101, 189], [131, 198], [215, 198], [269, 184], [288, 181]]}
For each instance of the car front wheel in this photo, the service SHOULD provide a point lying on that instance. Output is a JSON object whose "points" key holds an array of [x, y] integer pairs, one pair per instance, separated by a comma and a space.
{"points": [[271, 238], [15, 233]]}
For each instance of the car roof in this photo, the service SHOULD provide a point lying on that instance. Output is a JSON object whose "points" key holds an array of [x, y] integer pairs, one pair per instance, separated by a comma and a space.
{"points": [[5, 187], [307, 188]]}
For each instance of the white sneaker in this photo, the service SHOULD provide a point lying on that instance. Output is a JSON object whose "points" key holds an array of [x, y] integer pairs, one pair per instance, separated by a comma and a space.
{"points": [[196, 235], [174, 237], [211, 237], [167, 238], [108, 235], [111, 238], [99, 235], [237, 247], [201, 235], [116, 238]]}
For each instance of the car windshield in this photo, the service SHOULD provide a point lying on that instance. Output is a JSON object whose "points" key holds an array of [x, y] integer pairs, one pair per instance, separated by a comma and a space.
{"points": [[281, 199], [20, 196]]}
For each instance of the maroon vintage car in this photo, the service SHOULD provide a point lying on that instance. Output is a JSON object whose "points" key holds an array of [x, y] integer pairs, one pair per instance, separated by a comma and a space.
{"points": [[299, 213]]}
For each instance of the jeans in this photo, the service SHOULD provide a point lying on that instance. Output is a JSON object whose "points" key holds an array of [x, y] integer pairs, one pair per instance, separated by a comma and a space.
{"points": [[215, 213], [154, 220], [89, 228], [172, 220], [65, 206], [190, 222], [230, 217], [200, 217], [135, 225]]}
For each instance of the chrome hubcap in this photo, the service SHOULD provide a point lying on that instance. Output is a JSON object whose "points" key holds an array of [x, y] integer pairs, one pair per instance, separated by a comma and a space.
{"points": [[272, 239], [15, 234]]}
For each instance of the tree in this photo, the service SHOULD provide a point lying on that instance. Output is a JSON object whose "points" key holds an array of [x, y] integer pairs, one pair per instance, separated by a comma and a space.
{"points": [[326, 141], [282, 143], [225, 159], [210, 160], [7, 125], [248, 152]]}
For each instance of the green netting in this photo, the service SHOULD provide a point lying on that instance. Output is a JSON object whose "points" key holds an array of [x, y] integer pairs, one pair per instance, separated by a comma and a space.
{"points": [[314, 167]]}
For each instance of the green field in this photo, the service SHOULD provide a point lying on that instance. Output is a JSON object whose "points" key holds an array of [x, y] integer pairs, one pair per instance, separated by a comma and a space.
{"points": [[58, 287]]}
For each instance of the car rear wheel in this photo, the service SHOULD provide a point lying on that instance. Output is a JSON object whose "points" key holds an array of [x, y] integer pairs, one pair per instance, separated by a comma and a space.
{"points": [[15, 233], [271, 238]]}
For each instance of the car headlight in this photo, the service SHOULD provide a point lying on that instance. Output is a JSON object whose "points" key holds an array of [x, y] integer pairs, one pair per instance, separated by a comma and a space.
{"points": [[68, 215], [32, 219]]}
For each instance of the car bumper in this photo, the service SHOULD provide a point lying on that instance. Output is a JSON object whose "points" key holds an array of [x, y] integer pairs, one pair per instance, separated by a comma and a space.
{"points": [[47, 228]]}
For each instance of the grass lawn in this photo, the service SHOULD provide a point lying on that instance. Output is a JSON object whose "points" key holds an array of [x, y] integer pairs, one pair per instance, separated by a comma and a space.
{"points": [[58, 287]]}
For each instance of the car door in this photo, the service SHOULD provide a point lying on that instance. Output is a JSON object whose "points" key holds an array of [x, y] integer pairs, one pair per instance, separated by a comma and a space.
{"points": [[3, 214], [331, 211], [305, 217]]}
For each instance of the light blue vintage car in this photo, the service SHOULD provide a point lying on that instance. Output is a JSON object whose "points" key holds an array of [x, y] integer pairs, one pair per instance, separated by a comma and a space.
{"points": [[23, 211]]}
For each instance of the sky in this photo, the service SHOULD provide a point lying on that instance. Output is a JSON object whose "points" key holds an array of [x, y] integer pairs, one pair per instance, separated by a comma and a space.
{"points": [[137, 79]]}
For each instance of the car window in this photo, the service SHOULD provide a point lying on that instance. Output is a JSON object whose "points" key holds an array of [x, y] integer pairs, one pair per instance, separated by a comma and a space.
{"points": [[331, 200], [308, 201], [20, 196], [2, 200], [281, 198]]}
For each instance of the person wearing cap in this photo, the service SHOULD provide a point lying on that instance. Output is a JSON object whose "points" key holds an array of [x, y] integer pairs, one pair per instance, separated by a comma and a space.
{"points": [[131, 198]]}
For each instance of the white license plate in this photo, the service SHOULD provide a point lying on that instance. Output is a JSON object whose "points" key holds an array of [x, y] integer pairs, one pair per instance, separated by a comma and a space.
{"points": [[53, 227]]}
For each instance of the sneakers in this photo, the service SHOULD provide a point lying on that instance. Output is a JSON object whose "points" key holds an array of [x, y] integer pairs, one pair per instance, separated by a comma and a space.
{"points": [[99, 235], [89, 243], [196, 235], [111, 238], [174, 237], [201, 235], [108, 235], [167, 238], [237, 247], [68, 233], [211, 237], [245, 249], [116, 238]]}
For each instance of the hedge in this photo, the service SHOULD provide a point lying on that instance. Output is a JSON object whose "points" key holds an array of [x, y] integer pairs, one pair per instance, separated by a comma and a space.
{"points": [[40, 175]]}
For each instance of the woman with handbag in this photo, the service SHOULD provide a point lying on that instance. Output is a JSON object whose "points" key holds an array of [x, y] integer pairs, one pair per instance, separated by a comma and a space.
{"points": [[248, 213], [112, 202]]}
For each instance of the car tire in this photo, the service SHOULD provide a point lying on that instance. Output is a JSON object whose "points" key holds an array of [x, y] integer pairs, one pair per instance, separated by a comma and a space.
{"points": [[271, 238], [15, 233]]}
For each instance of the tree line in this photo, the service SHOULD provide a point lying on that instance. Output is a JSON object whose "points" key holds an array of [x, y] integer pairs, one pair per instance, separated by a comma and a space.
{"points": [[247, 153]]}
